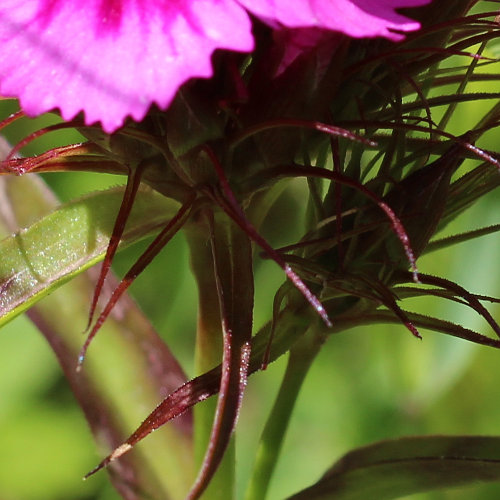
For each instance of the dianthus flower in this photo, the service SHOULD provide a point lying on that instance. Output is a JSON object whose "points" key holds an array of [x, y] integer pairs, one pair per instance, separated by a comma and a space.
{"points": [[114, 58], [298, 98]]}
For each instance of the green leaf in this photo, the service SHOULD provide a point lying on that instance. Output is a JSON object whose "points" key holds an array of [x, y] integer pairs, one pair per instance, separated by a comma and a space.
{"points": [[37, 260], [393, 469], [461, 237], [130, 368]]}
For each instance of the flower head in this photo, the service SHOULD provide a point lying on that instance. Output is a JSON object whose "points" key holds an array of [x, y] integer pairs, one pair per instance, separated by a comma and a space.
{"points": [[114, 58]]}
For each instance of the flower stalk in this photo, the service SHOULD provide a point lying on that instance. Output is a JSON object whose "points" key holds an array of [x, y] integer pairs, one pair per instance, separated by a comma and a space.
{"points": [[302, 354]]}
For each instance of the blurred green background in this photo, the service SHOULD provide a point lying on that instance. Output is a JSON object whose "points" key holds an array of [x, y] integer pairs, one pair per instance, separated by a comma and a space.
{"points": [[368, 384]]}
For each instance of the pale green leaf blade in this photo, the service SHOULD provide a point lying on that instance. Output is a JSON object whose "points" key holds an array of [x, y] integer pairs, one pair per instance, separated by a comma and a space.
{"points": [[128, 372], [64, 243]]}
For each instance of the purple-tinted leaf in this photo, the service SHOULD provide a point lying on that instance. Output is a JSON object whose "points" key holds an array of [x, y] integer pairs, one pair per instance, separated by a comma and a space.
{"points": [[133, 182], [234, 282], [396, 468], [231, 207], [168, 232], [387, 298], [131, 369], [64, 243], [420, 321], [468, 298], [235, 290], [290, 326]]}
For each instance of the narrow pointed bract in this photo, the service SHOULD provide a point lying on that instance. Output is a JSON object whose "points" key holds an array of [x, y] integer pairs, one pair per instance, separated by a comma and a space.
{"points": [[133, 182], [144, 260]]}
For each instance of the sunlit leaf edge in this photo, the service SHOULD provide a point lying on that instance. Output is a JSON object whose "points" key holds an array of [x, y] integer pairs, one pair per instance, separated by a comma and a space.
{"points": [[37, 260]]}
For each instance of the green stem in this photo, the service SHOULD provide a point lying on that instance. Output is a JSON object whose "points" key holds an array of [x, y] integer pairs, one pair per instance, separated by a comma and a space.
{"points": [[301, 356], [208, 355]]}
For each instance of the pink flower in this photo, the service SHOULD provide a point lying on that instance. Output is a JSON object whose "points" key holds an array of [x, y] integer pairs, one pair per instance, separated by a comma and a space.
{"points": [[114, 58]]}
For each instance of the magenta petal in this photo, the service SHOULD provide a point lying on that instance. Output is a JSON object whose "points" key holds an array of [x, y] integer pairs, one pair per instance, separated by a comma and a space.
{"points": [[298, 41], [111, 58], [356, 18]]}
